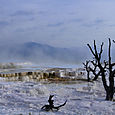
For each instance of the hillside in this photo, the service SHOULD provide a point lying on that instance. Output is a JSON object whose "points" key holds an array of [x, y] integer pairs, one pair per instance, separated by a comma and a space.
{"points": [[36, 52]]}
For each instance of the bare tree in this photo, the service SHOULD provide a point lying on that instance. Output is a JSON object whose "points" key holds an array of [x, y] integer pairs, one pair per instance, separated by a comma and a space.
{"points": [[86, 66], [96, 70], [92, 67], [104, 67]]}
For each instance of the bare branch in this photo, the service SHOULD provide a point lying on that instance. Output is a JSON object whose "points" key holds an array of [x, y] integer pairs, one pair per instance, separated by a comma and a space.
{"points": [[51, 105], [113, 64], [113, 41], [105, 64], [91, 49], [109, 53], [101, 50], [96, 54]]}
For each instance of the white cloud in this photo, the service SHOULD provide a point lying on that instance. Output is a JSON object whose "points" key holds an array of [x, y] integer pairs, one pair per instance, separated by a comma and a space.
{"points": [[63, 23]]}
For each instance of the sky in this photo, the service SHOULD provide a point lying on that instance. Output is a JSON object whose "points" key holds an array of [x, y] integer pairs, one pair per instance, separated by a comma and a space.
{"points": [[59, 23]]}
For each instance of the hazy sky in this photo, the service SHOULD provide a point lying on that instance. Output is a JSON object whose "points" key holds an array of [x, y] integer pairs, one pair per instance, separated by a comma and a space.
{"points": [[60, 23]]}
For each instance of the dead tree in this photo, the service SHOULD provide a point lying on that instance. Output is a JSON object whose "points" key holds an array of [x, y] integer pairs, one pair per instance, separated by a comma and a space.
{"points": [[96, 70], [103, 68], [91, 67], [86, 66], [51, 105]]}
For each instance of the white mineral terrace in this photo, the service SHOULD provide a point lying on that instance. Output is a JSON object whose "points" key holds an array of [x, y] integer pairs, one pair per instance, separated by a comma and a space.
{"points": [[44, 74]]}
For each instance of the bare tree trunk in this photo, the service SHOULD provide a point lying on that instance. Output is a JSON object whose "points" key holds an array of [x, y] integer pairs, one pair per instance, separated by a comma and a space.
{"points": [[111, 78], [110, 87], [86, 66], [88, 78]]}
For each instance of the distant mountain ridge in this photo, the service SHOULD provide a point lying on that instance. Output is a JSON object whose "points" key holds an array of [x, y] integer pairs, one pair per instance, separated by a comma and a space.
{"points": [[41, 53]]}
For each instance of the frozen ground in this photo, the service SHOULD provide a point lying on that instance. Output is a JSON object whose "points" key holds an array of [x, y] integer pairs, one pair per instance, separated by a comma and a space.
{"points": [[24, 97]]}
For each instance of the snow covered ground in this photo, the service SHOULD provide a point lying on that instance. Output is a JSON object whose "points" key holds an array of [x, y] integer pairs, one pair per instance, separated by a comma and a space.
{"points": [[83, 98]]}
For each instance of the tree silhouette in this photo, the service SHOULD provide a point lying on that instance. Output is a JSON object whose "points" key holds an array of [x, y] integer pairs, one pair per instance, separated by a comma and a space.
{"points": [[91, 67], [106, 69], [51, 105], [87, 67]]}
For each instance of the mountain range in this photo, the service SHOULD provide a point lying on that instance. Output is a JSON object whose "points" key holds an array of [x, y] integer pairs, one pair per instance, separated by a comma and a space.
{"points": [[41, 53]]}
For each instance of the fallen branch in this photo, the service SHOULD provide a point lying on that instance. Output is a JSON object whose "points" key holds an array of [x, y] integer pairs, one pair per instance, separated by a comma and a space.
{"points": [[51, 105]]}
